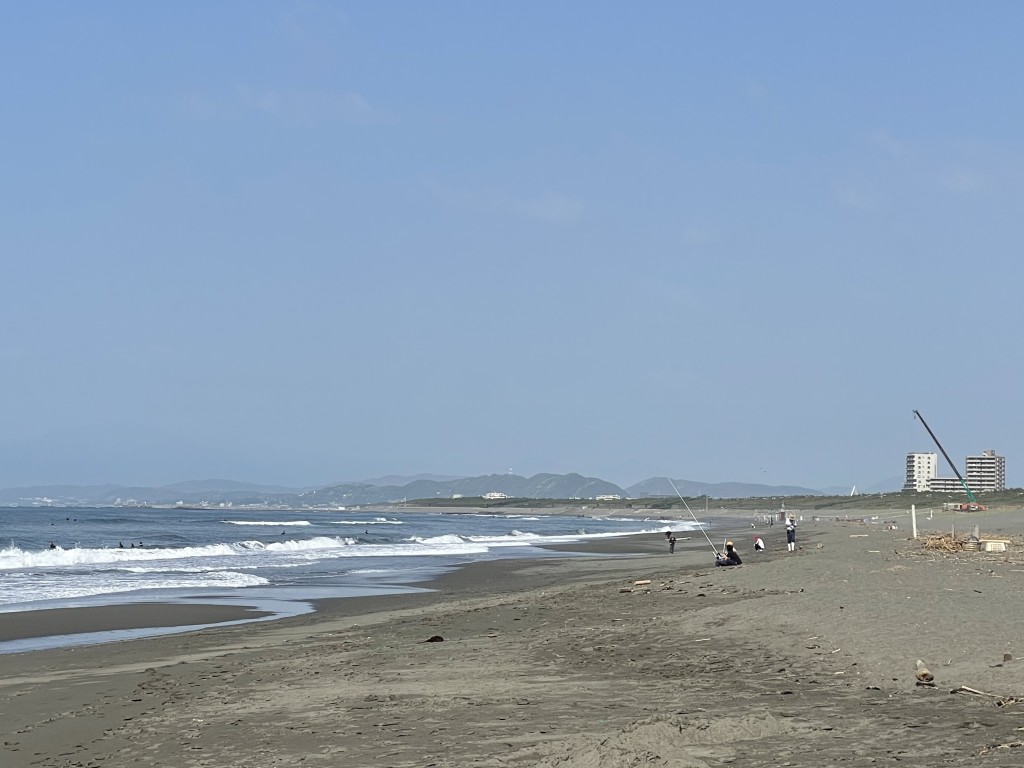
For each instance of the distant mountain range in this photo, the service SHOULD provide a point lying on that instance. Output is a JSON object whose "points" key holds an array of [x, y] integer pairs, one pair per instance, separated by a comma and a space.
{"points": [[385, 490]]}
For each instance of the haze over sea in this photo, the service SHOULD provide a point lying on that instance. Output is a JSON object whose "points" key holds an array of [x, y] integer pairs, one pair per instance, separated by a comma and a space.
{"points": [[279, 560]]}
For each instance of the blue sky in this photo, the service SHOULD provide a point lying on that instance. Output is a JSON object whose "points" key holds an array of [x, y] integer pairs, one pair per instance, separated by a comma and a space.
{"points": [[308, 242]]}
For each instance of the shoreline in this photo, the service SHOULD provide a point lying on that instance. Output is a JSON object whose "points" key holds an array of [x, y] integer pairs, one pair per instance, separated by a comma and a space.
{"points": [[198, 614], [634, 658]]}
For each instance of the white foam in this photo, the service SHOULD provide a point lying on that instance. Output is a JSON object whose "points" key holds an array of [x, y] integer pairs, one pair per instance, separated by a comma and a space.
{"points": [[42, 587], [281, 524], [14, 558], [375, 521]]}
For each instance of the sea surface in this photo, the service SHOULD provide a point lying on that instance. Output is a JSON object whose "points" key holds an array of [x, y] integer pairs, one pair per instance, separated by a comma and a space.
{"points": [[278, 561]]}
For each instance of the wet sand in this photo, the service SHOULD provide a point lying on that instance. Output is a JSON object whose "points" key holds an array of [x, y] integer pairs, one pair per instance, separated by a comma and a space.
{"points": [[805, 659], [64, 621]]}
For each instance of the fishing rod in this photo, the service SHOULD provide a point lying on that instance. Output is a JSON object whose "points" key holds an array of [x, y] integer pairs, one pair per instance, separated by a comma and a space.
{"points": [[695, 520]]}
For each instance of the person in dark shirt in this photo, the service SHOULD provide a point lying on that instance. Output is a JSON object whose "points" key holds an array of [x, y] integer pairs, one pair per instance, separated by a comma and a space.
{"points": [[731, 556]]}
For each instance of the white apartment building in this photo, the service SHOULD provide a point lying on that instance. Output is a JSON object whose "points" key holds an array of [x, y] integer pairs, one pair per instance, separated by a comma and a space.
{"points": [[986, 472], [921, 468]]}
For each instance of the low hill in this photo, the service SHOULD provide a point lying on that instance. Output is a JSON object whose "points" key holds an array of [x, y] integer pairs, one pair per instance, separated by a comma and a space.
{"points": [[662, 486]]}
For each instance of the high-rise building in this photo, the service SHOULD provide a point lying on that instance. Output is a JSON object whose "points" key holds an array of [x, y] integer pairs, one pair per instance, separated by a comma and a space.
{"points": [[986, 472], [921, 468]]}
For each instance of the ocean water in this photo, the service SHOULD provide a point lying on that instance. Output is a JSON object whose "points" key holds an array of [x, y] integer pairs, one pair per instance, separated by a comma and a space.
{"points": [[276, 560]]}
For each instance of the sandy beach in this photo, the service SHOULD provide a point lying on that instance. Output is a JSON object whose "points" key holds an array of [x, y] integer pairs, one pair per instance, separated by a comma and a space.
{"points": [[798, 659]]}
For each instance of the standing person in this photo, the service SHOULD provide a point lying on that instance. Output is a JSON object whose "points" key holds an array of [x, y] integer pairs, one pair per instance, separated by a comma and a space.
{"points": [[671, 544], [791, 534]]}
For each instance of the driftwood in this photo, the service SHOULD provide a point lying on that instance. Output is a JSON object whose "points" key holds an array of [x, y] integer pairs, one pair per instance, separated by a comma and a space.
{"points": [[942, 543], [1006, 745], [974, 692], [1000, 701]]}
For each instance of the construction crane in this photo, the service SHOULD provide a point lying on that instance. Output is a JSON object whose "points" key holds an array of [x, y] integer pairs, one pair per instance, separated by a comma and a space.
{"points": [[972, 504]]}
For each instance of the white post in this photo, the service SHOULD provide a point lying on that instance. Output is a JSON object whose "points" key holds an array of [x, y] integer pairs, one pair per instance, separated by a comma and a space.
{"points": [[913, 521]]}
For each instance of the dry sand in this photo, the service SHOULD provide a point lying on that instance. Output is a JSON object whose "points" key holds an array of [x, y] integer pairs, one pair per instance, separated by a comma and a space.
{"points": [[802, 659]]}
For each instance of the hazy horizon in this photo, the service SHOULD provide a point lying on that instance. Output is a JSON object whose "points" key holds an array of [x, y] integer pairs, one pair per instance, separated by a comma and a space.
{"points": [[294, 243]]}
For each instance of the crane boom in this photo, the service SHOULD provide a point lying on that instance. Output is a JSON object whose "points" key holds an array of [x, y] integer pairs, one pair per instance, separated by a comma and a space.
{"points": [[952, 466]]}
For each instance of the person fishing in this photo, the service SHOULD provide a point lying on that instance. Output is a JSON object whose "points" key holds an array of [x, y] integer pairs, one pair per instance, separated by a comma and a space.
{"points": [[729, 557], [720, 559]]}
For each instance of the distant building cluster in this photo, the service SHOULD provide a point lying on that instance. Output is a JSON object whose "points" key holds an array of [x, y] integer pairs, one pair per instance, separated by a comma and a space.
{"points": [[983, 474]]}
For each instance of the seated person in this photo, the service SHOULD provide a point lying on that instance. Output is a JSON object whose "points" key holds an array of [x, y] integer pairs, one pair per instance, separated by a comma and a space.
{"points": [[730, 557]]}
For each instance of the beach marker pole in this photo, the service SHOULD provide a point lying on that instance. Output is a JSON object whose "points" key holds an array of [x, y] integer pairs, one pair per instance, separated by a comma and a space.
{"points": [[913, 521], [695, 520]]}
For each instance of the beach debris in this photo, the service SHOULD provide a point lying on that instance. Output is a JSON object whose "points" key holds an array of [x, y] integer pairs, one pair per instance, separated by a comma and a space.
{"points": [[941, 543], [1007, 745], [922, 674], [974, 692], [641, 583], [434, 639], [1000, 701], [626, 589]]}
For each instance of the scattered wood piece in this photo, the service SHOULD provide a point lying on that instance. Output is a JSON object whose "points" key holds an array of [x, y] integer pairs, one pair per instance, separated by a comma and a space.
{"points": [[859, 535], [626, 589], [941, 543], [1007, 745], [641, 583], [974, 692]]}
